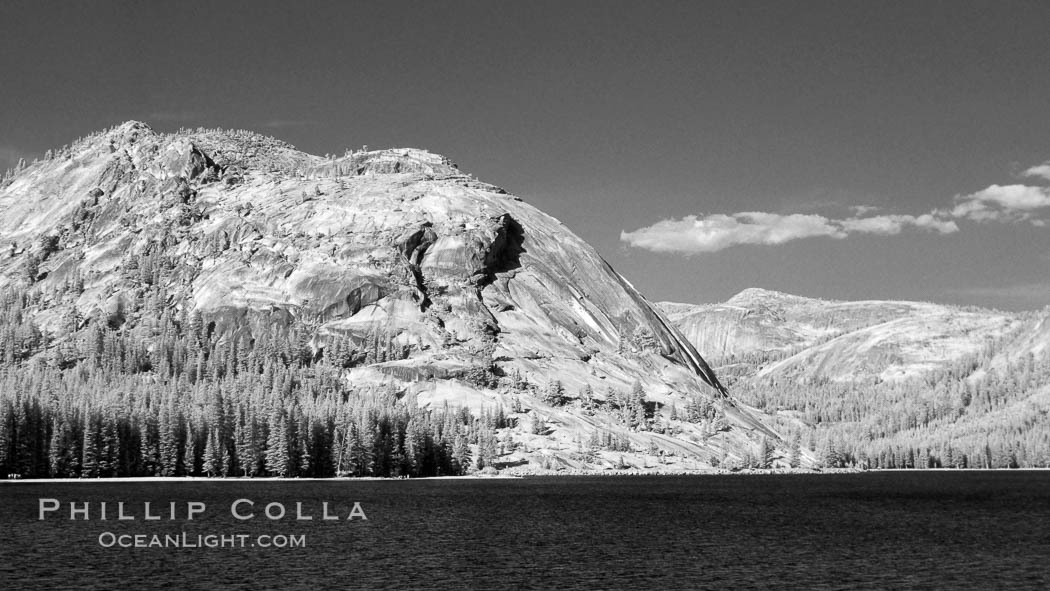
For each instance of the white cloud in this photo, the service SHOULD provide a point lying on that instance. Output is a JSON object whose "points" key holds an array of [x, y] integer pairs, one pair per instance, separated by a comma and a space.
{"points": [[864, 209], [885, 225], [694, 234], [888, 225], [1001, 203], [930, 221], [698, 234], [1039, 170]]}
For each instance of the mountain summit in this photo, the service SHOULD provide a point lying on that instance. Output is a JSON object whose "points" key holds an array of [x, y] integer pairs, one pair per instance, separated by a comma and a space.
{"points": [[391, 265]]}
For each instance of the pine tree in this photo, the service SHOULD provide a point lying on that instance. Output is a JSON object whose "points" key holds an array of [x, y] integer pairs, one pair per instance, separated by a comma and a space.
{"points": [[109, 457], [594, 442], [61, 460], [587, 396], [90, 448], [486, 448], [244, 437], [554, 393], [277, 460], [765, 454], [832, 458], [212, 459], [224, 461], [415, 448], [795, 455], [187, 466], [461, 453], [168, 444], [6, 441]]}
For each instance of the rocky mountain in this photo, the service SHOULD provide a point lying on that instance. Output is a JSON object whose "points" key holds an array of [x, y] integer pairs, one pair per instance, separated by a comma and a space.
{"points": [[809, 339], [392, 266], [883, 377]]}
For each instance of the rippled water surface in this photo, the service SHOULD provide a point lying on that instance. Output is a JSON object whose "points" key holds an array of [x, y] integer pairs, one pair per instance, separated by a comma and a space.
{"points": [[893, 530]]}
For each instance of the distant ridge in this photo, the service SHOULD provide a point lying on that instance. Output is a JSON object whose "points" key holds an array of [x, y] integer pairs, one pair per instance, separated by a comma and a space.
{"points": [[885, 383]]}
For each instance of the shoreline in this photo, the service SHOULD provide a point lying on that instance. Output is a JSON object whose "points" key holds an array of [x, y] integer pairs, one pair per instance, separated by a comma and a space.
{"points": [[515, 475]]}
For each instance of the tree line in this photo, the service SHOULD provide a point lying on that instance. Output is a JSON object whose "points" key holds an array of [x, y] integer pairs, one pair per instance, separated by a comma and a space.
{"points": [[979, 412], [168, 398]]}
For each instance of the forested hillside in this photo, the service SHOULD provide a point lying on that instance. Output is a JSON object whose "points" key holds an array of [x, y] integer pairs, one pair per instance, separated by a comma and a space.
{"points": [[930, 386], [168, 399]]}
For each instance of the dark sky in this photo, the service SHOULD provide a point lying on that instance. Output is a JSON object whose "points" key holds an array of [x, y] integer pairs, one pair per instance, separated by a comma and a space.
{"points": [[617, 116]]}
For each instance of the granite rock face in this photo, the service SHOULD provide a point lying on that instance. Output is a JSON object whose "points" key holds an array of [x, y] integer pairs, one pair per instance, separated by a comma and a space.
{"points": [[396, 245], [777, 335]]}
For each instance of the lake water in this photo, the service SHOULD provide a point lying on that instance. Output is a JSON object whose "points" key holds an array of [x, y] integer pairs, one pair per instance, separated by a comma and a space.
{"points": [[888, 530]]}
